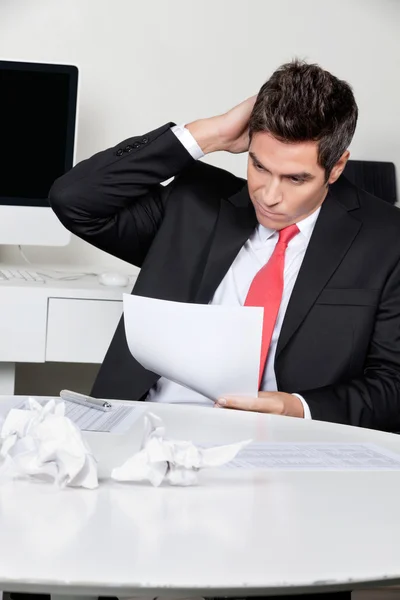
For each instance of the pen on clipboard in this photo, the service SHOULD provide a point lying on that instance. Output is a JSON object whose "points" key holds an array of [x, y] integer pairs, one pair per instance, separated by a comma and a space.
{"points": [[87, 401]]}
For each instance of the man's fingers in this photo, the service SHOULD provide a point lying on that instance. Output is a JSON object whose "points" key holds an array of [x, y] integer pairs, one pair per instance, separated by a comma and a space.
{"points": [[243, 403], [273, 403]]}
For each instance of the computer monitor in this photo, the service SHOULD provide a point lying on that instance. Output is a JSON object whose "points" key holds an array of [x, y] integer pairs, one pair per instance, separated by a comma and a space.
{"points": [[38, 105]]}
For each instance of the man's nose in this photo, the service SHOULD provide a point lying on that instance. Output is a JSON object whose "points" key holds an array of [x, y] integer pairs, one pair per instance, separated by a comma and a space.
{"points": [[272, 194]]}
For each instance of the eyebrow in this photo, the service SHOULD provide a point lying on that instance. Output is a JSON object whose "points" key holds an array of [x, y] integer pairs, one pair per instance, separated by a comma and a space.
{"points": [[303, 175]]}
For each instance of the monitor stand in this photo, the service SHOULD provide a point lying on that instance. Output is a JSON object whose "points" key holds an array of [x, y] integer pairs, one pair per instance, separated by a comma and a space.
{"points": [[31, 226]]}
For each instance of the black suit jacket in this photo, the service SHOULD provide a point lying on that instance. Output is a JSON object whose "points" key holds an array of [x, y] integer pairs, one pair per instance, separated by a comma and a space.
{"points": [[340, 342]]}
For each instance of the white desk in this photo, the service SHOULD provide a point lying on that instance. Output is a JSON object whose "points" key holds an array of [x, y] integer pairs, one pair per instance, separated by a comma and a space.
{"points": [[235, 534], [60, 321]]}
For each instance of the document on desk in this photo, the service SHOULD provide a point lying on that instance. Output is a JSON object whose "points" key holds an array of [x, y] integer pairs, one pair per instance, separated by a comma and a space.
{"points": [[117, 420], [316, 457], [213, 350]]}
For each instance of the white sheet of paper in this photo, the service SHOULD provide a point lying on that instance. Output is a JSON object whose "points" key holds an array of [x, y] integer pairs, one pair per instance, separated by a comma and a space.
{"points": [[315, 456], [214, 350]]}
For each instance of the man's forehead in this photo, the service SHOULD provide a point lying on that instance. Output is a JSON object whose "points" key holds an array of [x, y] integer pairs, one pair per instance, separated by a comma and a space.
{"points": [[284, 156]]}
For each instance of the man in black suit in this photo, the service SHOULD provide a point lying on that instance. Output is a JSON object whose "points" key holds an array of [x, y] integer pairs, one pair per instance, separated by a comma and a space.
{"points": [[334, 351]]}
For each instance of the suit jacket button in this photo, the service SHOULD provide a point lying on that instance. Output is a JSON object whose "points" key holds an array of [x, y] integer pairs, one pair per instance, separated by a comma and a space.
{"points": [[145, 140], [136, 144], [128, 149], [120, 152]]}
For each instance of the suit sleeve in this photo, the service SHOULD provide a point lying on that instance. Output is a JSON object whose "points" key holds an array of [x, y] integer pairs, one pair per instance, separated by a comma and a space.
{"points": [[114, 200], [372, 400]]}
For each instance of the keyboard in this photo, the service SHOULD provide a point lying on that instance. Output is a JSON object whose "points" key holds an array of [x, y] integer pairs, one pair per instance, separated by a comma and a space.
{"points": [[14, 274]]}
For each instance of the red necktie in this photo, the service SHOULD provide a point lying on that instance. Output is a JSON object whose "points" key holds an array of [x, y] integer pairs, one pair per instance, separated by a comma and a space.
{"points": [[266, 290]]}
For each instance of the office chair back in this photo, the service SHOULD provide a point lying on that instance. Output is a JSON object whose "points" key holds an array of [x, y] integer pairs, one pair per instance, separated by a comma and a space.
{"points": [[377, 178]]}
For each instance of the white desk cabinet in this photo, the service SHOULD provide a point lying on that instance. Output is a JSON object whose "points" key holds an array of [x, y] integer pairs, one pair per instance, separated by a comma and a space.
{"points": [[70, 322], [88, 340]]}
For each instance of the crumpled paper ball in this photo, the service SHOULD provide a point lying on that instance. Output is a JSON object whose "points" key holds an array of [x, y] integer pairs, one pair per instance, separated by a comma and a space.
{"points": [[42, 443], [176, 462]]}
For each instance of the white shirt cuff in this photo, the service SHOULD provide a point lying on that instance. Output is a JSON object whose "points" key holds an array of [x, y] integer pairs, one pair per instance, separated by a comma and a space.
{"points": [[307, 412], [186, 138]]}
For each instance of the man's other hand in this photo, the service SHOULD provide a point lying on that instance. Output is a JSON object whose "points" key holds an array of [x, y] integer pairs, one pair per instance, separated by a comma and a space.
{"points": [[275, 403]]}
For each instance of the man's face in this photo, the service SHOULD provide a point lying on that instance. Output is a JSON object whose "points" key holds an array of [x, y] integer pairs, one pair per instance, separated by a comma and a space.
{"points": [[286, 183]]}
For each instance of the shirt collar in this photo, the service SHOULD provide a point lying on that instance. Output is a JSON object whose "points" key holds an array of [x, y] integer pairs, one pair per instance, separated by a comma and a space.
{"points": [[306, 227]]}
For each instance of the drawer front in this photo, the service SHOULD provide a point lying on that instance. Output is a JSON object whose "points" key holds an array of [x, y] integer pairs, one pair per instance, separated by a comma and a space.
{"points": [[22, 325], [80, 330]]}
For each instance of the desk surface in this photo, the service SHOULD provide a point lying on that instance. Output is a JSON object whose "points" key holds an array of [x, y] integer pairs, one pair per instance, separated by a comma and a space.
{"points": [[85, 286], [236, 533]]}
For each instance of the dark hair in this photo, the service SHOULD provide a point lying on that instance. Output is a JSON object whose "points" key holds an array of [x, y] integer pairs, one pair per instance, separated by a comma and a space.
{"points": [[302, 102]]}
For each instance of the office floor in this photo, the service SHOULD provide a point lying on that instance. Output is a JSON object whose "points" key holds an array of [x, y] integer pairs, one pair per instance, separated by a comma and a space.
{"points": [[378, 594], [392, 593], [48, 379]]}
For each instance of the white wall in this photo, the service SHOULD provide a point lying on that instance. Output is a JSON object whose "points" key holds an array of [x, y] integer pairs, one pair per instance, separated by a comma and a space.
{"points": [[143, 63]]}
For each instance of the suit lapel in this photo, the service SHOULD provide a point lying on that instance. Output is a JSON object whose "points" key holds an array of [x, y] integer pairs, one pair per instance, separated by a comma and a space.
{"points": [[235, 223], [334, 232]]}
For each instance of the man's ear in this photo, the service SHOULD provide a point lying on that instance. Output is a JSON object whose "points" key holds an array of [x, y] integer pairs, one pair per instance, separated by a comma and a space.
{"points": [[339, 167]]}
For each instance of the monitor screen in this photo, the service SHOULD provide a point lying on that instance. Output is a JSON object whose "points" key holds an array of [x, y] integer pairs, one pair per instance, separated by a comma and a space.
{"points": [[37, 129]]}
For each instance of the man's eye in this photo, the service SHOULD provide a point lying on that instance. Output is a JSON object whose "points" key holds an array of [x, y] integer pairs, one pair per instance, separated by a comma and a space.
{"points": [[258, 167], [296, 180]]}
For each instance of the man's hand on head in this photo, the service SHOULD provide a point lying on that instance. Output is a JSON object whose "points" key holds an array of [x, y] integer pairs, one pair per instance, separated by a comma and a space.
{"points": [[275, 403], [228, 132]]}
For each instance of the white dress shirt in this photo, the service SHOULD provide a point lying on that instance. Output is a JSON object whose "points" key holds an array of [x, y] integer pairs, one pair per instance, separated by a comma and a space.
{"points": [[234, 287]]}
